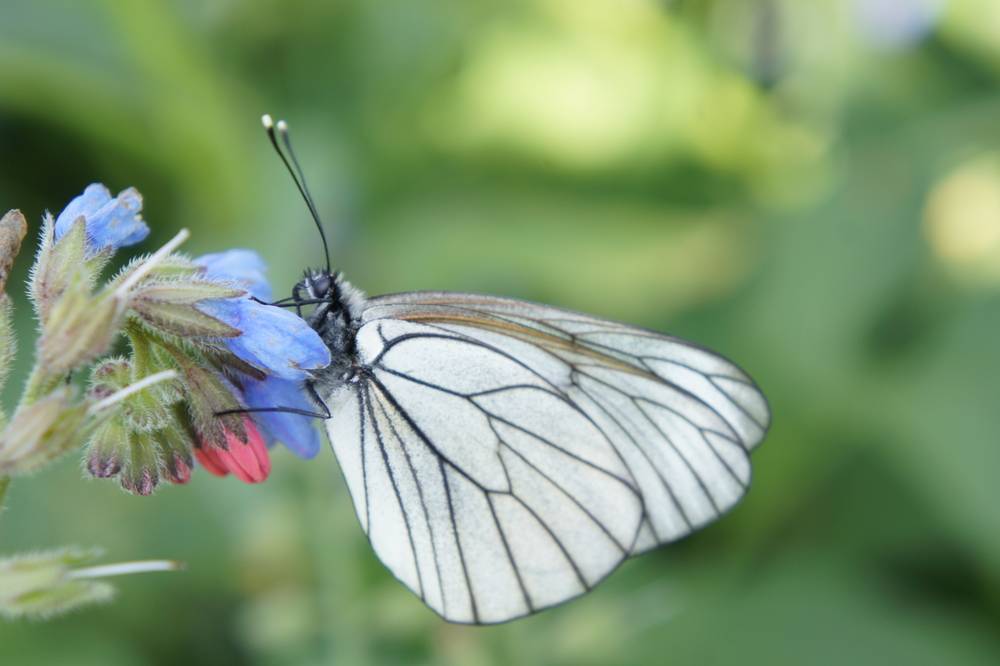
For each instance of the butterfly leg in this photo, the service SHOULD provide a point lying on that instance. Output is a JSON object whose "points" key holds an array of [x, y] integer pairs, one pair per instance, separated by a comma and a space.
{"points": [[284, 410], [311, 388]]}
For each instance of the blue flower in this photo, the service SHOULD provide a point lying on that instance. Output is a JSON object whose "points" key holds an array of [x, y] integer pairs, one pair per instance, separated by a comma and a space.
{"points": [[242, 266], [273, 340], [111, 223], [294, 431]]}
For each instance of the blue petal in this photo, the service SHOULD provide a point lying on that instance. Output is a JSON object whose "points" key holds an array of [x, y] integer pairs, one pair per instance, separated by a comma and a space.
{"points": [[117, 223], [243, 266], [296, 432], [138, 235], [93, 197], [273, 340], [111, 223]]}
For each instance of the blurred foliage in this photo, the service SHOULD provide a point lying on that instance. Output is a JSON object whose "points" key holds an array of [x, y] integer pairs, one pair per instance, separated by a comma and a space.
{"points": [[810, 188]]}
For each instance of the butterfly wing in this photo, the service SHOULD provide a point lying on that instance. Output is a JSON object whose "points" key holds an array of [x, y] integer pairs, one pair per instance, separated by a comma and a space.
{"points": [[683, 417], [505, 456]]}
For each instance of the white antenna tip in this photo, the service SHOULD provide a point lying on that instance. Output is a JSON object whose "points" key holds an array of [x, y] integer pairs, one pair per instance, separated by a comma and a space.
{"points": [[266, 121], [282, 126]]}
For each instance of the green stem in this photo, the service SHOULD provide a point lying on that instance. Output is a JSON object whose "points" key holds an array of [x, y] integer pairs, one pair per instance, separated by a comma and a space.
{"points": [[141, 363], [4, 483]]}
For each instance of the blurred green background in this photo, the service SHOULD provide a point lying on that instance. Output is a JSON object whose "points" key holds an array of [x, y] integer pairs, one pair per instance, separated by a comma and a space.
{"points": [[811, 188]]}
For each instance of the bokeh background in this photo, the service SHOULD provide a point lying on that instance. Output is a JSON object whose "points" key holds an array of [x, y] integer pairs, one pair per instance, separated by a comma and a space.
{"points": [[812, 188]]}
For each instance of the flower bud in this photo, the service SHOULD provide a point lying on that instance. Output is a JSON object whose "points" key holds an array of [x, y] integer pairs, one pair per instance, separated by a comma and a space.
{"points": [[175, 454], [13, 228], [247, 460], [110, 375], [41, 431], [208, 458], [80, 327], [12, 231], [148, 409], [141, 470], [58, 265], [42, 584], [208, 394], [141, 458], [111, 222], [106, 449]]}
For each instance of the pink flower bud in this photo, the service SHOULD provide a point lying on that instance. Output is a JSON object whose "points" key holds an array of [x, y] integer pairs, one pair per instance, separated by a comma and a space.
{"points": [[179, 472], [142, 483], [208, 459], [248, 461]]}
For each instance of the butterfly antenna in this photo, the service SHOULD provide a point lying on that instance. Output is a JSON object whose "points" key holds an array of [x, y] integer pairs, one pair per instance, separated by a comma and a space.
{"points": [[295, 171]]}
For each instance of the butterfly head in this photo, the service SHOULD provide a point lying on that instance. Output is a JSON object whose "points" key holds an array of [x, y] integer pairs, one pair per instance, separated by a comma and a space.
{"points": [[318, 284], [336, 305], [336, 312]]}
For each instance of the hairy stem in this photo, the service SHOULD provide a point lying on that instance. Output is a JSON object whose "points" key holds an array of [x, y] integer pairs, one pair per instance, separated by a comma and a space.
{"points": [[141, 361]]}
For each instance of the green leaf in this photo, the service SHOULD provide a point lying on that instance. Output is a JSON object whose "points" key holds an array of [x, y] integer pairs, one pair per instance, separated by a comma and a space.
{"points": [[184, 292], [182, 320]]}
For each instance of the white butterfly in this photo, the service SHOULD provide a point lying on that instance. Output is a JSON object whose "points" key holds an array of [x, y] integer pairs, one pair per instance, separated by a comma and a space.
{"points": [[506, 456]]}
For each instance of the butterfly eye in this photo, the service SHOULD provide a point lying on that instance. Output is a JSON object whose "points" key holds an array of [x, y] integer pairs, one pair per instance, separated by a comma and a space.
{"points": [[320, 285]]}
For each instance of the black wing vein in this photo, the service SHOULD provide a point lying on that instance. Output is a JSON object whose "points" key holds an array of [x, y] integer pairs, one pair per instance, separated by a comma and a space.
{"points": [[395, 489]]}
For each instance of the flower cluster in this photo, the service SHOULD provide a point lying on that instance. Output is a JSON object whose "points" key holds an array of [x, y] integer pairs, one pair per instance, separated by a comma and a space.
{"points": [[203, 351], [202, 323], [280, 344]]}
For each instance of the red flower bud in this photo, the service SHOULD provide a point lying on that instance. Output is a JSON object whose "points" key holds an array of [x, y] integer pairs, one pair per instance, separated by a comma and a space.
{"points": [[207, 459], [248, 461], [175, 446], [178, 471]]}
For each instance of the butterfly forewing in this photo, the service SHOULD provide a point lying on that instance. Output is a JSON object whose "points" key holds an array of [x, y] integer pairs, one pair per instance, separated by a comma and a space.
{"points": [[505, 456]]}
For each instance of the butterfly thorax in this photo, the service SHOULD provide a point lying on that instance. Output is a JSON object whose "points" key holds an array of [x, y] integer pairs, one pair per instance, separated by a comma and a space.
{"points": [[336, 315]]}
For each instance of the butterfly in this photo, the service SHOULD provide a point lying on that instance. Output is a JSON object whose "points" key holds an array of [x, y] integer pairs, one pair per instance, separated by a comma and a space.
{"points": [[505, 456]]}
